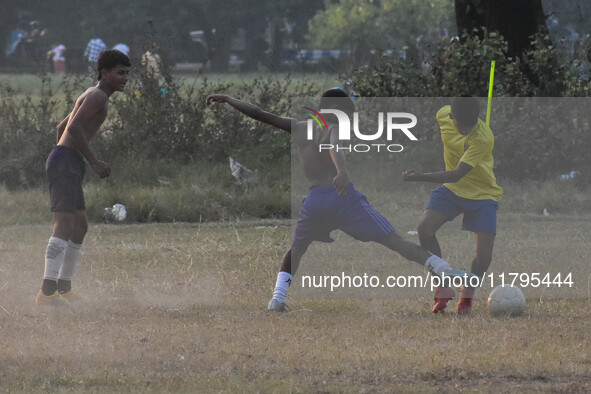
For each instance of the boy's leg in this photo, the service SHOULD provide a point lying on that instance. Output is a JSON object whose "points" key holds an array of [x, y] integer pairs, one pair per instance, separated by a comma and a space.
{"points": [[65, 170], [406, 249], [414, 252], [289, 266], [291, 260], [63, 224], [73, 251], [482, 221], [307, 228], [484, 248], [431, 221]]}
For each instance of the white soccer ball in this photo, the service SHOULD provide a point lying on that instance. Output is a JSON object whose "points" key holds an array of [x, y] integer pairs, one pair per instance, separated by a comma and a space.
{"points": [[119, 212], [506, 300]]}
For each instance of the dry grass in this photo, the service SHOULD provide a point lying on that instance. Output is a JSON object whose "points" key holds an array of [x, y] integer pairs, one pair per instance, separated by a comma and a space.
{"points": [[182, 308]]}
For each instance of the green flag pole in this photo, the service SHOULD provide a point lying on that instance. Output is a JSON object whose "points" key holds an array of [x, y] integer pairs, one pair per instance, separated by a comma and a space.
{"points": [[490, 91]]}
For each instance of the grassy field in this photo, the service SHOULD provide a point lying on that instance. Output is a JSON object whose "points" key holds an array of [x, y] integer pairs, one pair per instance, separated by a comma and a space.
{"points": [[182, 308]]}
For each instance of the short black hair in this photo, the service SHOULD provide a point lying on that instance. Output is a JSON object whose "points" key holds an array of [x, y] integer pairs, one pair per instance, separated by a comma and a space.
{"points": [[466, 110], [111, 58], [338, 99]]}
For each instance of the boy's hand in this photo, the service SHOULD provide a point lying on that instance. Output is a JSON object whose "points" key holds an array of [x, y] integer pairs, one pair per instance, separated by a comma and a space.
{"points": [[215, 98], [101, 168], [411, 175], [341, 182]]}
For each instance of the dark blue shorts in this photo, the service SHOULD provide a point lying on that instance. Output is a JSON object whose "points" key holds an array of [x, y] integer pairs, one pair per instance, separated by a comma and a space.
{"points": [[65, 168], [323, 211], [480, 216]]}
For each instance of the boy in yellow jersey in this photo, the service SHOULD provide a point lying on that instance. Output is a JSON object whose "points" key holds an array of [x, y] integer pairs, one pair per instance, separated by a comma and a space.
{"points": [[469, 188]]}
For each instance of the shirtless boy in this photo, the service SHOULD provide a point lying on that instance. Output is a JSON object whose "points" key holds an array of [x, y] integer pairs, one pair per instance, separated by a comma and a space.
{"points": [[65, 168], [333, 202]]}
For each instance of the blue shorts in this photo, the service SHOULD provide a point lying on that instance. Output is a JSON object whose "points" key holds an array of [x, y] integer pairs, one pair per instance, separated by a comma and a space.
{"points": [[480, 216], [65, 168], [323, 211]]}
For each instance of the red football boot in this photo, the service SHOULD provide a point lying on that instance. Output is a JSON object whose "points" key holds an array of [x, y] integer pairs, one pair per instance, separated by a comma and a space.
{"points": [[442, 296], [464, 306]]}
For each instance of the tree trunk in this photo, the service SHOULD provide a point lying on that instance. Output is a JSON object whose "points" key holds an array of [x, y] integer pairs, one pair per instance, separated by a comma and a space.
{"points": [[515, 20]]}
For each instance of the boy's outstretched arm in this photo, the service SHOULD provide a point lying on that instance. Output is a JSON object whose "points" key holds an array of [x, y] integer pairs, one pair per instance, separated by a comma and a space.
{"points": [[252, 111], [438, 177]]}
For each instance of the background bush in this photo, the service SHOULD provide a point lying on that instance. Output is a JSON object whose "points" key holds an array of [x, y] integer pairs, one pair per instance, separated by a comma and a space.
{"points": [[25, 125], [172, 152], [168, 153]]}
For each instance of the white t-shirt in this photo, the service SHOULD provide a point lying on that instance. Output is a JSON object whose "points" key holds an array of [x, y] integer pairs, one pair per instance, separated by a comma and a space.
{"points": [[58, 52]]}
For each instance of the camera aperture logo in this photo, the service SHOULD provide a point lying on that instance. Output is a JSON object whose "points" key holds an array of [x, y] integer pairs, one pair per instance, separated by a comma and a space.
{"points": [[316, 115], [395, 121]]}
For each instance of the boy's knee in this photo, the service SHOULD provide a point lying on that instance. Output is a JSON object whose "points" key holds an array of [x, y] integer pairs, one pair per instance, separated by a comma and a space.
{"points": [[79, 231], [425, 230]]}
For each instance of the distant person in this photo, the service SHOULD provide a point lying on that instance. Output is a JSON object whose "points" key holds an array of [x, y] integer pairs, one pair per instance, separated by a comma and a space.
{"points": [[333, 202], [122, 48], [66, 168], [152, 63], [33, 40], [35, 32], [57, 54], [469, 188], [17, 38], [151, 60], [93, 49]]}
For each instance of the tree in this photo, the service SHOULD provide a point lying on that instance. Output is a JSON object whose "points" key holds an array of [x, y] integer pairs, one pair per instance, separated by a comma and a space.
{"points": [[365, 25], [348, 24], [420, 25], [522, 24], [516, 20]]}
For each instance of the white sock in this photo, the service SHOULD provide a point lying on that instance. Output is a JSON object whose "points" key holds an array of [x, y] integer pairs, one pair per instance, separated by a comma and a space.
{"points": [[437, 265], [281, 286], [71, 259], [54, 257]]}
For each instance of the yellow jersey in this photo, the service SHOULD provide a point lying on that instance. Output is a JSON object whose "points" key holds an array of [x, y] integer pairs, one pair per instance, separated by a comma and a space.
{"points": [[474, 149]]}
